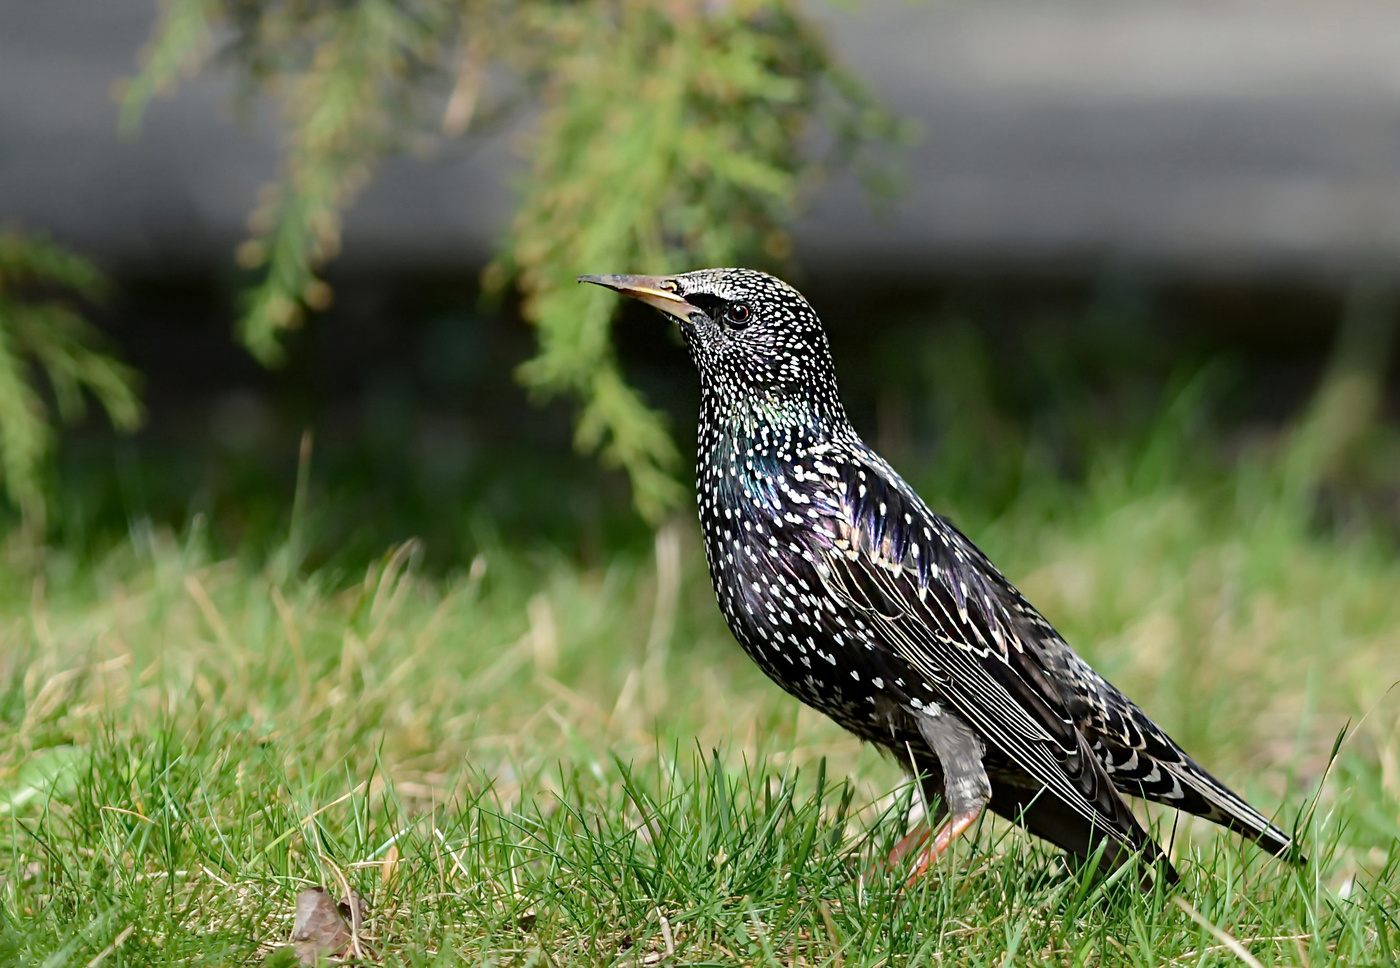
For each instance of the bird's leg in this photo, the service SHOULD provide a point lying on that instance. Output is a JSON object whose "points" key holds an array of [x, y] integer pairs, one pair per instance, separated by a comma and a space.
{"points": [[956, 825], [912, 841], [934, 809], [966, 788], [933, 814]]}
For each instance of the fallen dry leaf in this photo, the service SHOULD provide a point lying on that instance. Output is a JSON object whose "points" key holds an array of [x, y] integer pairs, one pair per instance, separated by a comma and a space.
{"points": [[320, 928]]}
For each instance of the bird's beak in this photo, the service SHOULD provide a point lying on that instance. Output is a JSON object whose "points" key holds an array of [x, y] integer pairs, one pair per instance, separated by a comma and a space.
{"points": [[657, 291]]}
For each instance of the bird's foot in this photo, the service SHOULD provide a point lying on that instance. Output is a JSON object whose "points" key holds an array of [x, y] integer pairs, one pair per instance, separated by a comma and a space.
{"points": [[959, 823], [911, 842]]}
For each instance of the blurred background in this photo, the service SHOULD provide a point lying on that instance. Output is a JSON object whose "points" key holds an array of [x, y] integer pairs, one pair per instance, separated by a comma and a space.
{"points": [[1090, 210]]}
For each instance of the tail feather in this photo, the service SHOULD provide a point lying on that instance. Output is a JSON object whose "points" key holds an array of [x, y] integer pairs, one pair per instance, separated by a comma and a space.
{"points": [[1138, 755], [1213, 800], [1143, 761], [1180, 782]]}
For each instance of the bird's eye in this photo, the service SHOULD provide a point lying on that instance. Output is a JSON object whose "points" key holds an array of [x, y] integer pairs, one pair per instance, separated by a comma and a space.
{"points": [[737, 315]]}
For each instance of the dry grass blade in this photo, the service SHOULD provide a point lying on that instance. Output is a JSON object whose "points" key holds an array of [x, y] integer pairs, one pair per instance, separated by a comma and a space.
{"points": [[832, 935], [1219, 934], [117, 942]]}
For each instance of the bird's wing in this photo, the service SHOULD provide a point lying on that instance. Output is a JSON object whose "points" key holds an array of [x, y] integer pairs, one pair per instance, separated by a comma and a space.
{"points": [[922, 594], [1138, 755]]}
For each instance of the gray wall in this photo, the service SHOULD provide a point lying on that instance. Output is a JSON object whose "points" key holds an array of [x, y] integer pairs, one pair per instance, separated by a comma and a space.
{"points": [[1220, 138]]}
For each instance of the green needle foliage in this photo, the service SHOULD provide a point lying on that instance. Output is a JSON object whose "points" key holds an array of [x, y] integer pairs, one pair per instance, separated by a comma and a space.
{"points": [[668, 134], [39, 329]]}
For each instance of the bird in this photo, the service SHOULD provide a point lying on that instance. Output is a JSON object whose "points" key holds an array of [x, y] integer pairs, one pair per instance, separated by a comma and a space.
{"points": [[852, 595]]}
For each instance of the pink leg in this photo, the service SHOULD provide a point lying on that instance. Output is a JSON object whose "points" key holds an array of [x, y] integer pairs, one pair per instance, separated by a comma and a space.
{"points": [[912, 841], [959, 823]]}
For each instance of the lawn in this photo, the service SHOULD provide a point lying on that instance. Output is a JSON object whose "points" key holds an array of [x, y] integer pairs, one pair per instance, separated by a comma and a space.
{"points": [[533, 761]]}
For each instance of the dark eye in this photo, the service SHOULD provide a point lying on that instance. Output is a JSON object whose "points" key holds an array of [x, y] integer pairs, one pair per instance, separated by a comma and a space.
{"points": [[737, 314]]}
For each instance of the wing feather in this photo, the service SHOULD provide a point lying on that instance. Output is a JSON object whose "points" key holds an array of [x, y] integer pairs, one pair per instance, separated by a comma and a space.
{"points": [[1138, 755], [913, 576]]}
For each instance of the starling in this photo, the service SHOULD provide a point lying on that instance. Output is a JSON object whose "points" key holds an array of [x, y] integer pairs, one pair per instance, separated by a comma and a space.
{"points": [[853, 596]]}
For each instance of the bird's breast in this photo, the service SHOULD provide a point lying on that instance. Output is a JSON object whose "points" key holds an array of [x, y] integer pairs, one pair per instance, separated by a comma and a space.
{"points": [[765, 527]]}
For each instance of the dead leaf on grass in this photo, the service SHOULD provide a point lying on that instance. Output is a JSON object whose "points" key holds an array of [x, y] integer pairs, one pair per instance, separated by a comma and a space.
{"points": [[321, 929]]}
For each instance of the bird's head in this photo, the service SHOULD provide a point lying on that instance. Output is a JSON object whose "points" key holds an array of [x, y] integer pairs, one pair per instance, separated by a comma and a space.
{"points": [[760, 348]]}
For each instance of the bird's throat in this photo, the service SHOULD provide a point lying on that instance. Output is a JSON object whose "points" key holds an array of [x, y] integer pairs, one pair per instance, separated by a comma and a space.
{"points": [[747, 454], [771, 422]]}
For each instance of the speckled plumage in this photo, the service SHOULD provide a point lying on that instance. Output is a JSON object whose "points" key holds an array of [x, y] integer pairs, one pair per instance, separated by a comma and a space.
{"points": [[856, 598]]}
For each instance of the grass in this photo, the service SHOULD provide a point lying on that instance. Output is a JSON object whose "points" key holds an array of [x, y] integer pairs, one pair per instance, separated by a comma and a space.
{"points": [[536, 762]]}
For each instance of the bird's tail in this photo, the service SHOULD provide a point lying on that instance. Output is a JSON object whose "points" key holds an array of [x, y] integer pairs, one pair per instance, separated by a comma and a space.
{"points": [[1052, 819], [1205, 796]]}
